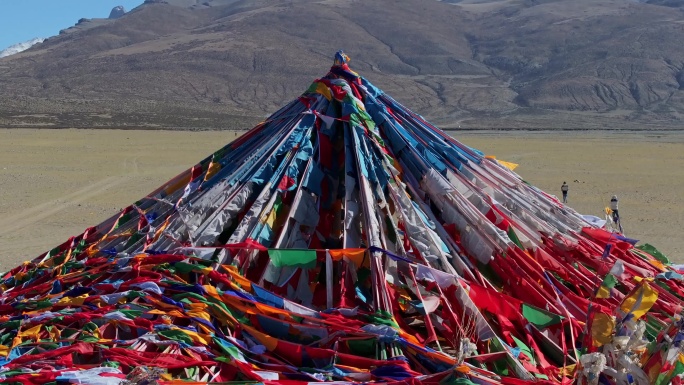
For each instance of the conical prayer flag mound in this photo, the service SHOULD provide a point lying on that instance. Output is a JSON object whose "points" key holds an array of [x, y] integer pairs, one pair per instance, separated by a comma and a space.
{"points": [[344, 239]]}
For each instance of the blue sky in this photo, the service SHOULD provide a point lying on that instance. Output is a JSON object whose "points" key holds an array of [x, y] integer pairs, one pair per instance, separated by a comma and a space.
{"points": [[22, 20]]}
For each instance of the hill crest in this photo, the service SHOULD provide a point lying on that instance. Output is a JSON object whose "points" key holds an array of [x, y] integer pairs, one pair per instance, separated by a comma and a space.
{"points": [[216, 64]]}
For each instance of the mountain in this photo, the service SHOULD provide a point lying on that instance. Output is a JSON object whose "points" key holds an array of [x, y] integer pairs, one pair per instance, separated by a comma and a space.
{"points": [[117, 12], [20, 47], [583, 64]]}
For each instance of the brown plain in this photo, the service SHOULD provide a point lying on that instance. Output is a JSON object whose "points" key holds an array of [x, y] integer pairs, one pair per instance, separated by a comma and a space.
{"points": [[56, 183]]}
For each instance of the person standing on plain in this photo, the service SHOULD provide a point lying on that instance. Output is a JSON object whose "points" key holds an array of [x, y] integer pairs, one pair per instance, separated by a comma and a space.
{"points": [[564, 190], [614, 208]]}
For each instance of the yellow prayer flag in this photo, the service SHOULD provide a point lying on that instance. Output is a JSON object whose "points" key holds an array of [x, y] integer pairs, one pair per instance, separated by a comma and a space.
{"points": [[244, 283], [72, 301], [603, 292], [508, 165], [211, 291], [55, 334], [197, 337], [639, 279], [198, 310], [602, 329], [32, 332], [270, 220], [156, 312], [213, 169], [568, 370], [324, 90], [640, 300]]}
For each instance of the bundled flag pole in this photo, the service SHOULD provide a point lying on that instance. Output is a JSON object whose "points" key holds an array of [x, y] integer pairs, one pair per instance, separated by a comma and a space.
{"points": [[344, 240]]}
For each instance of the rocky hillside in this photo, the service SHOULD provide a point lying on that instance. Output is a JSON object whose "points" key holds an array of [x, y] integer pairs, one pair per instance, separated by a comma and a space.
{"points": [[581, 64]]}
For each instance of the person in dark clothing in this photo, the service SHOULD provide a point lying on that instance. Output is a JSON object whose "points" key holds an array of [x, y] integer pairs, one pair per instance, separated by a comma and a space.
{"points": [[614, 209], [564, 190]]}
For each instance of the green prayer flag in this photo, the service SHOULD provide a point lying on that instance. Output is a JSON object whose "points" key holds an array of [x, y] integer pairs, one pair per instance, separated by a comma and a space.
{"points": [[184, 268], [539, 317], [90, 326], [456, 381], [665, 378], [176, 335], [11, 324], [678, 369], [312, 88], [192, 371], [227, 347], [525, 349], [123, 219], [88, 338], [133, 239], [131, 314], [6, 339], [186, 295], [278, 205], [135, 294], [514, 237], [654, 252], [609, 281], [111, 364], [293, 258], [362, 347], [382, 317]]}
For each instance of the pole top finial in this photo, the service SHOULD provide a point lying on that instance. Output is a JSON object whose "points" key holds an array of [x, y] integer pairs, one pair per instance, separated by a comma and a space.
{"points": [[341, 58]]}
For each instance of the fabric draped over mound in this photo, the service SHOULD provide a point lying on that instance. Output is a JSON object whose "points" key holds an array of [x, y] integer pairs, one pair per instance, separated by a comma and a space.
{"points": [[344, 239]]}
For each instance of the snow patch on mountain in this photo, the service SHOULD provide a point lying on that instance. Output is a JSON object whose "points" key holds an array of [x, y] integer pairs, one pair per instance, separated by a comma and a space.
{"points": [[19, 47]]}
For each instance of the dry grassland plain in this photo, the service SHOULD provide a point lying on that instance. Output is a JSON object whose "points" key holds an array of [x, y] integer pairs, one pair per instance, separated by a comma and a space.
{"points": [[56, 183]]}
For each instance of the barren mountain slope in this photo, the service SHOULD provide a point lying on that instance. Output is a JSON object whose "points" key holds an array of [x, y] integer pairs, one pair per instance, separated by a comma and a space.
{"points": [[221, 63], [581, 55]]}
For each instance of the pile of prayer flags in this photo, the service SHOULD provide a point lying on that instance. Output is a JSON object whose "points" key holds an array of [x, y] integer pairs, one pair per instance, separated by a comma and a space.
{"points": [[344, 239]]}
